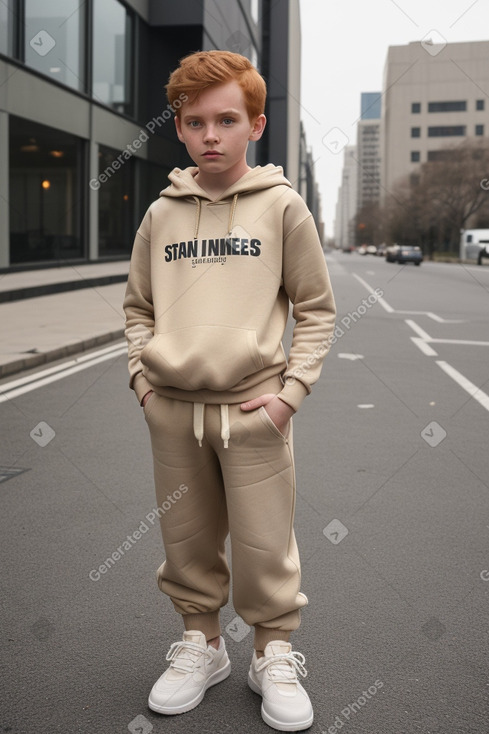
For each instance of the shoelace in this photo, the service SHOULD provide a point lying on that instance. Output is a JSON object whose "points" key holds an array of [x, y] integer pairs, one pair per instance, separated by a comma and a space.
{"points": [[185, 662], [284, 667]]}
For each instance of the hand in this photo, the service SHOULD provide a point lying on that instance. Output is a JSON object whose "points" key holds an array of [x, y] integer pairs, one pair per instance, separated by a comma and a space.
{"points": [[146, 398], [277, 409]]}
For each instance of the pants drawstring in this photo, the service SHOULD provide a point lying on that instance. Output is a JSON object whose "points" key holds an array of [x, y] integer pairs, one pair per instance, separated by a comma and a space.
{"points": [[199, 421], [199, 411], [225, 430]]}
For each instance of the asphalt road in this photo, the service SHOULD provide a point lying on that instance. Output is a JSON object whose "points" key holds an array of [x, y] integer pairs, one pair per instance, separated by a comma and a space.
{"points": [[392, 523]]}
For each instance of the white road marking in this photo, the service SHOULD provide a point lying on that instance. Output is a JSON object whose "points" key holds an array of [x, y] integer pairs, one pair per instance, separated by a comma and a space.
{"points": [[380, 299], [14, 389], [390, 309], [466, 342], [423, 345], [352, 357], [419, 331], [423, 341], [469, 387]]}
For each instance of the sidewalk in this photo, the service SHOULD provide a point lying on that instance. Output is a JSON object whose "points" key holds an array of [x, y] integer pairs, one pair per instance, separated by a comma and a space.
{"points": [[79, 313], [32, 283]]}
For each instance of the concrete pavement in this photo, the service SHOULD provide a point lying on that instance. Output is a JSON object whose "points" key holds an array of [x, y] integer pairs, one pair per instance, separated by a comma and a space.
{"points": [[74, 309]]}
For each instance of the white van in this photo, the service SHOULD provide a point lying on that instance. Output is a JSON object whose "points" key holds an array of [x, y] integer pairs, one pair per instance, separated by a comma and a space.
{"points": [[474, 244]]}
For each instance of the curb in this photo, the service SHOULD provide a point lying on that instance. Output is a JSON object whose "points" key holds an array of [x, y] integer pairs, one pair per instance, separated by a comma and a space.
{"points": [[21, 294], [39, 358]]}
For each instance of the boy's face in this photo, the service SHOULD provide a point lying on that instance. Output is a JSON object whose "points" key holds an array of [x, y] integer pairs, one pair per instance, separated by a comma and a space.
{"points": [[216, 131]]}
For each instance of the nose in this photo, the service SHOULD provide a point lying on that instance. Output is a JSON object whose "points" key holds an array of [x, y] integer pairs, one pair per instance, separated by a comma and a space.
{"points": [[210, 134]]}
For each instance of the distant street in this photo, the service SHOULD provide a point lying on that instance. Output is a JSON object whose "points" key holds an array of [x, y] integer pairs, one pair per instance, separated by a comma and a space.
{"points": [[392, 522]]}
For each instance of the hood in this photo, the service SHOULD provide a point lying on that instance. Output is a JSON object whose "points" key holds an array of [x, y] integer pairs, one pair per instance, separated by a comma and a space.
{"points": [[184, 185], [183, 182]]}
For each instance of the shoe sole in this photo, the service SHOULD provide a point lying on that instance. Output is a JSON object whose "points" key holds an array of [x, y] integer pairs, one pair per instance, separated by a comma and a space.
{"points": [[215, 678], [273, 723]]}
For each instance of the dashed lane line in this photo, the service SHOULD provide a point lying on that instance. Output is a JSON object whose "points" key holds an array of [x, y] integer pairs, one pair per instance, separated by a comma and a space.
{"points": [[424, 341]]}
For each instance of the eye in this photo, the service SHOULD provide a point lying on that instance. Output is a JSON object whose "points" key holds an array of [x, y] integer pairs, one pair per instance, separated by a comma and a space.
{"points": [[193, 123], [227, 121]]}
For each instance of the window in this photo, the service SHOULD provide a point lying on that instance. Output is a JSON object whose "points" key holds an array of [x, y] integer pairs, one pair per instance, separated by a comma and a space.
{"points": [[6, 28], [439, 155], [447, 106], [116, 203], [415, 156], [416, 108], [447, 131], [54, 40], [45, 183], [255, 11], [113, 55], [415, 132], [480, 104], [479, 129], [152, 178]]}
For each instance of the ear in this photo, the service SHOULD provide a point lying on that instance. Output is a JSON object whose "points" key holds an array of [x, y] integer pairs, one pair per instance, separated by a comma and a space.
{"points": [[258, 127], [178, 126]]}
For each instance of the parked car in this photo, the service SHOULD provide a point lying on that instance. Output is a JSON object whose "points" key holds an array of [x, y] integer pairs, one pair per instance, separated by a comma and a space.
{"points": [[474, 244], [371, 250], [362, 250], [404, 254], [483, 252], [381, 250]]}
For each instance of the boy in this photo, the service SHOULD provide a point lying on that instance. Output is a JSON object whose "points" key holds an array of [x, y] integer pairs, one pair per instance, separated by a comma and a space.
{"points": [[215, 262]]}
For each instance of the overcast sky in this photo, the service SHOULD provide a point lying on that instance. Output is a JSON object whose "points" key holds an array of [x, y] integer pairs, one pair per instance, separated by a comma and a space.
{"points": [[344, 47]]}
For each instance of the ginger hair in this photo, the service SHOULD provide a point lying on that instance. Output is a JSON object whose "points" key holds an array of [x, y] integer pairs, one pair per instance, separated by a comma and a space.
{"points": [[204, 69]]}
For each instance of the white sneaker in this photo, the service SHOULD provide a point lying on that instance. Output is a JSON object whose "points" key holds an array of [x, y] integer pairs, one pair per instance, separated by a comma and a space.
{"points": [[194, 667], [285, 705]]}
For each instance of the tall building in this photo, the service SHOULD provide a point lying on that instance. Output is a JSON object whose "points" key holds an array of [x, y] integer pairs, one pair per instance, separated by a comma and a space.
{"points": [[346, 207], [86, 136], [435, 96], [368, 149]]}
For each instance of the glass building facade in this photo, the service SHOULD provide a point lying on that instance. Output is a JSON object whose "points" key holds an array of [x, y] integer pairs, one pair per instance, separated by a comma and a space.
{"points": [[69, 106], [86, 136]]}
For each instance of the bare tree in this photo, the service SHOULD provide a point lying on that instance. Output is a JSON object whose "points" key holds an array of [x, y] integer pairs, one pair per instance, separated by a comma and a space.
{"points": [[443, 197]]}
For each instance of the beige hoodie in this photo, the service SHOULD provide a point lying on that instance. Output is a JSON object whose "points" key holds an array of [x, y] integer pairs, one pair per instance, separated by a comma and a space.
{"points": [[210, 281]]}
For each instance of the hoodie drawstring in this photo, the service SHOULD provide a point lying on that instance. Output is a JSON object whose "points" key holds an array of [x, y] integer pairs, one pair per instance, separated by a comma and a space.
{"points": [[197, 217], [232, 213], [199, 410]]}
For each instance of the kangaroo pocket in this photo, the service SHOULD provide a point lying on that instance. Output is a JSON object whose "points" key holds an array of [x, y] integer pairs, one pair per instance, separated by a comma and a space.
{"points": [[201, 357]]}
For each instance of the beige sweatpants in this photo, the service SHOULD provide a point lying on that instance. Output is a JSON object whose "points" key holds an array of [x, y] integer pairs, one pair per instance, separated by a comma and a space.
{"points": [[219, 471]]}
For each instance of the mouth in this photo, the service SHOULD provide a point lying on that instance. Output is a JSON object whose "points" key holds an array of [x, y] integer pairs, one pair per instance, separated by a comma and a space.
{"points": [[212, 154]]}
